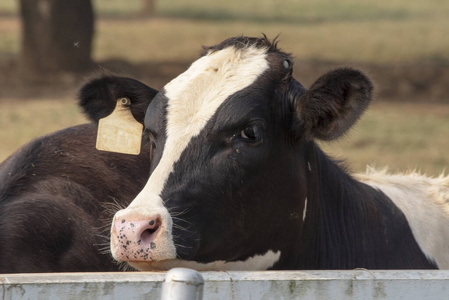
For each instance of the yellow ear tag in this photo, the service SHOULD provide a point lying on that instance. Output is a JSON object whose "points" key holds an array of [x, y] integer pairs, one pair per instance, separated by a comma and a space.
{"points": [[120, 132]]}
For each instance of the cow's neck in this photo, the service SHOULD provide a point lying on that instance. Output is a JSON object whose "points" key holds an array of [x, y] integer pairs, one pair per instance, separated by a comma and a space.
{"points": [[349, 224], [332, 222]]}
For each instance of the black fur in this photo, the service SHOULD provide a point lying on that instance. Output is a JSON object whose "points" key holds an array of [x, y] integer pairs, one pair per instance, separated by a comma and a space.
{"points": [[351, 225], [334, 103], [58, 194], [98, 96], [235, 197]]}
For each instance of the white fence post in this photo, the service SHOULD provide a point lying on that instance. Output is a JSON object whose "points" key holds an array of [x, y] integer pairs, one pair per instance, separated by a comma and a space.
{"points": [[182, 284]]}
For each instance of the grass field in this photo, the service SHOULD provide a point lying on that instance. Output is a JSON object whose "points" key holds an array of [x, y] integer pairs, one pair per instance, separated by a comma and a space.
{"points": [[21, 123], [403, 136], [348, 30], [375, 31]]}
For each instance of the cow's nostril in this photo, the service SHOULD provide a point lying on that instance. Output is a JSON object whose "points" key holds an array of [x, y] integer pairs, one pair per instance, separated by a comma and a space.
{"points": [[148, 235]]}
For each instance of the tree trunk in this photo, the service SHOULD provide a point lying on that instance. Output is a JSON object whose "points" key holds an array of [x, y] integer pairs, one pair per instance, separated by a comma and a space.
{"points": [[57, 35], [148, 7]]}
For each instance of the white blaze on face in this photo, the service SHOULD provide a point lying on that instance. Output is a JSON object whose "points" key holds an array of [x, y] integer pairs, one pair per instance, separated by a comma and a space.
{"points": [[193, 98]]}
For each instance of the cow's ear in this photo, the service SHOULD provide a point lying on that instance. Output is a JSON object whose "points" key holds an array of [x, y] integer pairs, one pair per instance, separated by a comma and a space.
{"points": [[98, 96], [332, 104]]}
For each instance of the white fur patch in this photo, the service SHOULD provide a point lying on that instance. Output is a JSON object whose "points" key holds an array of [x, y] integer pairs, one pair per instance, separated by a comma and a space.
{"points": [[425, 204], [304, 212], [255, 263]]}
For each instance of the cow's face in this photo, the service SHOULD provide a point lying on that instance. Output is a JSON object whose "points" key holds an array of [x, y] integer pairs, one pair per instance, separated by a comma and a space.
{"points": [[227, 188]]}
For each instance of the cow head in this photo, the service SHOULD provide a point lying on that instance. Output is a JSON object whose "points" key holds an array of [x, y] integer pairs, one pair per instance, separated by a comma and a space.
{"points": [[227, 137]]}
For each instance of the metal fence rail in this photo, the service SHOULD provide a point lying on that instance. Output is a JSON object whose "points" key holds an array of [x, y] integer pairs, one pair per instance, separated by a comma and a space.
{"points": [[354, 284]]}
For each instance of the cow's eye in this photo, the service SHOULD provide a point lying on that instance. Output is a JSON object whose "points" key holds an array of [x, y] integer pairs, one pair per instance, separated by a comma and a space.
{"points": [[250, 133]]}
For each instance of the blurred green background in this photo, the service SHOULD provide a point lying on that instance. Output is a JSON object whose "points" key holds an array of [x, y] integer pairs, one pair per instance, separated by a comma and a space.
{"points": [[402, 45]]}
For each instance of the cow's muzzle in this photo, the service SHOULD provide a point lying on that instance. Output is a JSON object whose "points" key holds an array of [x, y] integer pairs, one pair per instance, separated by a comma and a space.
{"points": [[137, 237]]}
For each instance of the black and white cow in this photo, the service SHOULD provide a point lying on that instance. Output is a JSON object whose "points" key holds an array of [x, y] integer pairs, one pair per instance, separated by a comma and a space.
{"points": [[238, 181], [58, 193]]}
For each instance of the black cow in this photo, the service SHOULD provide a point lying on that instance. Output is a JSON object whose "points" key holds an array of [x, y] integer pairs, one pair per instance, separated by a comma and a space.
{"points": [[238, 181], [58, 193]]}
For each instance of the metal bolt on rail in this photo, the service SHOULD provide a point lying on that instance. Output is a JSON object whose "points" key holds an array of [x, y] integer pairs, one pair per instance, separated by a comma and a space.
{"points": [[182, 284]]}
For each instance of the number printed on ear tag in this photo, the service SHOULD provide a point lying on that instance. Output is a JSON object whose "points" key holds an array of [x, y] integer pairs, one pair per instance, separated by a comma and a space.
{"points": [[120, 132]]}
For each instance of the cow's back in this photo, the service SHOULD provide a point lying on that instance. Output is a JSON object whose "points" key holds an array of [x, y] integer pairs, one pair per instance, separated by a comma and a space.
{"points": [[57, 197], [425, 204]]}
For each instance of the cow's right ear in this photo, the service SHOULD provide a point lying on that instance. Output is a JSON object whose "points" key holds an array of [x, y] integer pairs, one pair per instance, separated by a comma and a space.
{"points": [[98, 96], [332, 104]]}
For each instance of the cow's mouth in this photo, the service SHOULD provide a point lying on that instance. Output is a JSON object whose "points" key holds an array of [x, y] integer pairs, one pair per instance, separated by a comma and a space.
{"points": [[255, 263]]}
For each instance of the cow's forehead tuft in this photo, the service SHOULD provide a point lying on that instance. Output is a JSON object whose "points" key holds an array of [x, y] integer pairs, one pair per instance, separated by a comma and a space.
{"points": [[244, 42]]}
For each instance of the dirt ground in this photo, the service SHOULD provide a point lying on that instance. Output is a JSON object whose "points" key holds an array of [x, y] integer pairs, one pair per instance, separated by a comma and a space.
{"points": [[423, 82]]}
